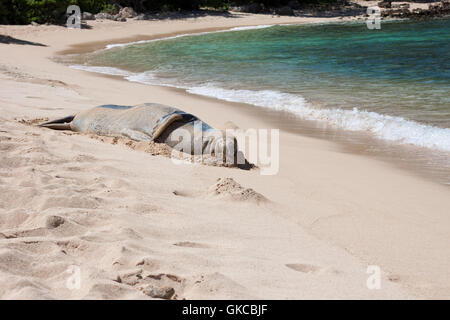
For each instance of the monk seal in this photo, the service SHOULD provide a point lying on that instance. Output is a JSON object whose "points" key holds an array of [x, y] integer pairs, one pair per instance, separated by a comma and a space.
{"points": [[152, 122]]}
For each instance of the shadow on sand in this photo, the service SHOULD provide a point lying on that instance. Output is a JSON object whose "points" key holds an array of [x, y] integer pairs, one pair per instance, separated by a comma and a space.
{"points": [[11, 40]]}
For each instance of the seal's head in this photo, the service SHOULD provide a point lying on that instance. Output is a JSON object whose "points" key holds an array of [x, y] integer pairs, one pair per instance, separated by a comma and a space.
{"points": [[200, 139], [219, 145]]}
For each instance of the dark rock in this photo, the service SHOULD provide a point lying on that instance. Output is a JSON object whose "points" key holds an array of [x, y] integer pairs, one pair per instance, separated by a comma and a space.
{"points": [[87, 16], [159, 293], [385, 14], [255, 8], [285, 11], [445, 4], [295, 5], [104, 16], [385, 4], [434, 7], [250, 8], [400, 5], [140, 17], [53, 222], [404, 13], [434, 10], [127, 12]]}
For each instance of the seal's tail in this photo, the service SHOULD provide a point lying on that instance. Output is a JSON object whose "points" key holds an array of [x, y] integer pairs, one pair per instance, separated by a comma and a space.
{"points": [[58, 124]]}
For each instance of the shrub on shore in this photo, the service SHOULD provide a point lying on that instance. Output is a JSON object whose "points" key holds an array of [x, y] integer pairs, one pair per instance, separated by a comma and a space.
{"points": [[42, 11], [53, 11]]}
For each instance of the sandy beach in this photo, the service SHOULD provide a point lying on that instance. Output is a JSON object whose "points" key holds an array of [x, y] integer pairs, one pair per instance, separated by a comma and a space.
{"points": [[130, 222]]}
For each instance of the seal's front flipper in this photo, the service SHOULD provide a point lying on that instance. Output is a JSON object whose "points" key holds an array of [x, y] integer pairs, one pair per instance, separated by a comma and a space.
{"points": [[164, 123], [135, 135], [58, 124]]}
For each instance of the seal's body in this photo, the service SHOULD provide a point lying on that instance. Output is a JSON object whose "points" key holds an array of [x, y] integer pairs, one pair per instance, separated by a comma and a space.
{"points": [[150, 122]]}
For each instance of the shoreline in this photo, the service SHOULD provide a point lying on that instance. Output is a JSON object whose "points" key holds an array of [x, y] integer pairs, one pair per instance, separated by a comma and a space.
{"points": [[336, 194], [123, 42], [354, 142]]}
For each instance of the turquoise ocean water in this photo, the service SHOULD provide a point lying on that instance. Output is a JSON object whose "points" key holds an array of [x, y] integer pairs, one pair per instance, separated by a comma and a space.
{"points": [[392, 83]]}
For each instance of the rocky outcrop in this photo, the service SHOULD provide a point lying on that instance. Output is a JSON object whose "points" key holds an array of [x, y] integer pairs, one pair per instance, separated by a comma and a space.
{"points": [[104, 16], [434, 10], [294, 5], [122, 16], [127, 13], [385, 4], [141, 16], [401, 6], [87, 16], [249, 8], [285, 11]]}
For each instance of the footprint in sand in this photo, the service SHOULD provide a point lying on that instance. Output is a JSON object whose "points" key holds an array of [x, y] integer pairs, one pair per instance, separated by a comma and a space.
{"points": [[184, 193], [189, 244], [313, 269], [305, 268], [53, 222], [394, 278], [37, 232]]}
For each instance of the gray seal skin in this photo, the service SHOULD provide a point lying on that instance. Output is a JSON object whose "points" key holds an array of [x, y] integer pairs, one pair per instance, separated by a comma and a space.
{"points": [[151, 122]]}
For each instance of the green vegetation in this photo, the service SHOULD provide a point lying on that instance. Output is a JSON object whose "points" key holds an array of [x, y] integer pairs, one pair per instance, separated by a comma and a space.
{"points": [[41, 11], [53, 11]]}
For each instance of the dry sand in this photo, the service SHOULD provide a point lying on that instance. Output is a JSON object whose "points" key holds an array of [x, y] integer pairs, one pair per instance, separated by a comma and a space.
{"points": [[139, 226]]}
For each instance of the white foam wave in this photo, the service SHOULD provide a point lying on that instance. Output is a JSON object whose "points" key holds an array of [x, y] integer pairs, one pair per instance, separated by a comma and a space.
{"points": [[103, 70], [121, 45], [150, 78], [262, 26], [385, 127]]}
